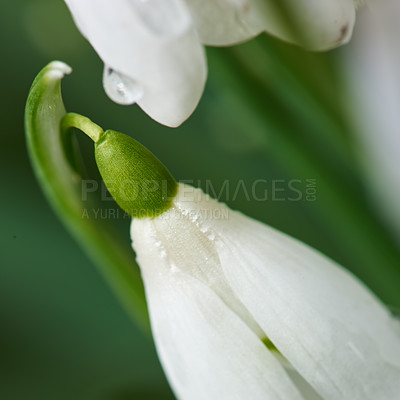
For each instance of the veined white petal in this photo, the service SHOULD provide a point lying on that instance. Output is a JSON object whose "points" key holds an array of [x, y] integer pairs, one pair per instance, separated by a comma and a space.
{"points": [[171, 68], [216, 264], [333, 331], [372, 65], [206, 349]]}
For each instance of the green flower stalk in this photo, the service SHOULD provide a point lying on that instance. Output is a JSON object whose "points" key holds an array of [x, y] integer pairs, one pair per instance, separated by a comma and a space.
{"points": [[57, 166]]}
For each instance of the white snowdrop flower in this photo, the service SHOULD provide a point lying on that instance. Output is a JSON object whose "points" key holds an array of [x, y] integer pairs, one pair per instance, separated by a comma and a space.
{"points": [[153, 53], [237, 309], [372, 64], [241, 311]]}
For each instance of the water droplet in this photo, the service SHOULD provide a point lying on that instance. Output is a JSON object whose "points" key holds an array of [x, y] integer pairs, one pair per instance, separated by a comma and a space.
{"points": [[211, 236], [195, 218], [163, 17], [203, 229], [120, 88], [174, 268], [163, 254]]}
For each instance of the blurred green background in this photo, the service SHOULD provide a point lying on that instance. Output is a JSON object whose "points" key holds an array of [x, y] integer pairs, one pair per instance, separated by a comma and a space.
{"points": [[270, 112]]}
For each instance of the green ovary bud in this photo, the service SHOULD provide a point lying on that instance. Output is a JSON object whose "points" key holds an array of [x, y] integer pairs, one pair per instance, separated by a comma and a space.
{"points": [[138, 181]]}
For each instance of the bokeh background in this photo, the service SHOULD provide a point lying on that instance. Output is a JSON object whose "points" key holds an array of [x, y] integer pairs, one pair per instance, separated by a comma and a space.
{"points": [[270, 112]]}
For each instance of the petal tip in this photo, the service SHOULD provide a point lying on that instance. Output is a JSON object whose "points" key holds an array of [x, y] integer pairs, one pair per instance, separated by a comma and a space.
{"points": [[60, 67]]}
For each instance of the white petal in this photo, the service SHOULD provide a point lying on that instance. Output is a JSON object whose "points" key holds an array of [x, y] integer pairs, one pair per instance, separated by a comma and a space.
{"points": [[166, 58], [307, 391], [329, 326], [331, 329], [335, 333], [324, 23], [226, 22], [206, 349], [372, 65]]}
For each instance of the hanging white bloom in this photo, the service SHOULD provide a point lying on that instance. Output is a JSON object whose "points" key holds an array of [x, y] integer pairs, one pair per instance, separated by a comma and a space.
{"points": [[153, 53], [372, 65], [239, 310], [220, 285]]}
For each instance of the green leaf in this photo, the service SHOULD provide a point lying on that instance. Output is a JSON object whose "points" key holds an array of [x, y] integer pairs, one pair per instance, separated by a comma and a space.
{"points": [[57, 165]]}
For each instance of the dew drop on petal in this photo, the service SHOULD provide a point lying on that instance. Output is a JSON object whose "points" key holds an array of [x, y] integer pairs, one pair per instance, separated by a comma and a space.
{"points": [[174, 268], [195, 217], [163, 254], [163, 17], [120, 88], [211, 236]]}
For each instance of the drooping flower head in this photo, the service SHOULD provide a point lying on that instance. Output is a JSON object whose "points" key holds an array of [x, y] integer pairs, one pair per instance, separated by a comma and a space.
{"points": [[153, 53]]}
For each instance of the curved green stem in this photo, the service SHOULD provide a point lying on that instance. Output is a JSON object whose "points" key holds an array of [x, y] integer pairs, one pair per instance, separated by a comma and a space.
{"points": [[54, 162], [84, 124]]}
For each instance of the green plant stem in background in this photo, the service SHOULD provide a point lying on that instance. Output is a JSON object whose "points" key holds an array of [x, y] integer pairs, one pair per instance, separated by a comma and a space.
{"points": [[57, 168], [305, 83], [341, 207]]}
